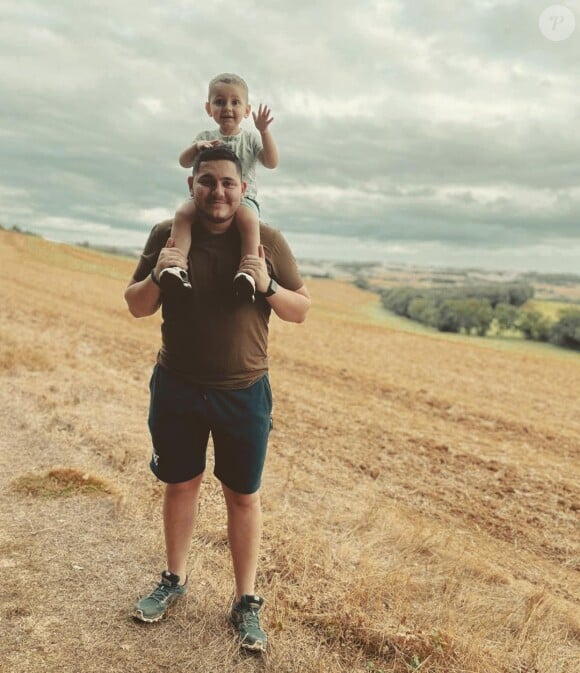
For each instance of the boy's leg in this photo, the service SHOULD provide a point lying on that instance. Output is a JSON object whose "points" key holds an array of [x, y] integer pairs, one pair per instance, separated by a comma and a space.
{"points": [[181, 236], [248, 224]]}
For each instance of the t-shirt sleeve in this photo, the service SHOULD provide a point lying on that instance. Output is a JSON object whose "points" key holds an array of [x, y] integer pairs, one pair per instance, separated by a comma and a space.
{"points": [[283, 266], [156, 241]]}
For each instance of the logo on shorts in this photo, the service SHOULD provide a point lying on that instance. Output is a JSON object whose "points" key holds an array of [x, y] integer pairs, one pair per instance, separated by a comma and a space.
{"points": [[155, 458]]}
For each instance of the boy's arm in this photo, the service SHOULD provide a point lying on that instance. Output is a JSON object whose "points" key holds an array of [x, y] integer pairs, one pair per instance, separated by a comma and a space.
{"points": [[269, 156], [188, 155]]}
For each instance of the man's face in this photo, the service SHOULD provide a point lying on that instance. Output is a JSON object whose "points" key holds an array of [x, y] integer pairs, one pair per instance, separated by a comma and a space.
{"points": [[217, 189]]}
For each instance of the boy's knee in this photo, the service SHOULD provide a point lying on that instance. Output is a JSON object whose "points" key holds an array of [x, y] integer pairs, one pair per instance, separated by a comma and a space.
{"points": [[186, 210], [246, 218]]}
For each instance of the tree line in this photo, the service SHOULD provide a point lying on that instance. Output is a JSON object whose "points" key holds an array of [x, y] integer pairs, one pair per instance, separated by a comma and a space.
{"points": [[473, 309]]}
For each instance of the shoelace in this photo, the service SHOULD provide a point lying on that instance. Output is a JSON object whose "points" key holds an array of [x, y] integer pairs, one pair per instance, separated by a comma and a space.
{"points": [[250, 618], [161, 592]]}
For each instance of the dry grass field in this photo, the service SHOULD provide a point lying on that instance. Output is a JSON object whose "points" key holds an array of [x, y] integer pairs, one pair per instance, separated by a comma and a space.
{"points": [[421, 495]]}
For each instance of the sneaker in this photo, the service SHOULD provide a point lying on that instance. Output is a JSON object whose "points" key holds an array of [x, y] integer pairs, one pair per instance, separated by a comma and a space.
{"points": [[245, 615], [244, 287], [174, 277], [151, 608]]}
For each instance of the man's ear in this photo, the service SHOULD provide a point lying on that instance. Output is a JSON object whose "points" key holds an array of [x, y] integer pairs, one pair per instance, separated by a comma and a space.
{"points": [[244, 185], [190, 183]]}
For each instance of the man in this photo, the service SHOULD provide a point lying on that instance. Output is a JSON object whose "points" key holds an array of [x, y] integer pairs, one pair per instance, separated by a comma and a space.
{"points": [[211, 377]]}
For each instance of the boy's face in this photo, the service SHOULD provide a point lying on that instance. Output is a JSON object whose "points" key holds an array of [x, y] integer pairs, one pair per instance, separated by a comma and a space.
{"points": [[228, 106]]}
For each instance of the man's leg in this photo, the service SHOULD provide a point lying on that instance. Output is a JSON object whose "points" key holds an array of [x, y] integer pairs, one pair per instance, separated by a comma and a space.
{"points": [[180, 506], [179, 514], [244, 533]]}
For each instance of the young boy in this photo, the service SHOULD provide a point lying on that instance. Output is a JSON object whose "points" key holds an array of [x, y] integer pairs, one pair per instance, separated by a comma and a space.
{"points": [[228, 105]]}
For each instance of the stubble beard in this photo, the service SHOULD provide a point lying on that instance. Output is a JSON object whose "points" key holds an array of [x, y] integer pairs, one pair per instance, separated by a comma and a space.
{"points": [[208, 218]]}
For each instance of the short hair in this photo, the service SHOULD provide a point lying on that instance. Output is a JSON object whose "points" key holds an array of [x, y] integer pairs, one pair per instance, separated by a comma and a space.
{"points": [[217, 153], [228, 78]]}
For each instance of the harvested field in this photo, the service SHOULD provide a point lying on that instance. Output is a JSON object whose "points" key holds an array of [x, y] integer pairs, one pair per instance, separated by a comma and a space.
{"points": [[421, 495]]}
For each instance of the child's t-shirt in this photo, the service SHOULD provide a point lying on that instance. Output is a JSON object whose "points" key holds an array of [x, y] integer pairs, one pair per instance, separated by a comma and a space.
{"points": [[247, 146]]}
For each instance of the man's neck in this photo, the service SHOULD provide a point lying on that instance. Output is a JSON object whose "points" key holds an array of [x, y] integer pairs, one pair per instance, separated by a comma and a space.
{"points": [[214, 227]]}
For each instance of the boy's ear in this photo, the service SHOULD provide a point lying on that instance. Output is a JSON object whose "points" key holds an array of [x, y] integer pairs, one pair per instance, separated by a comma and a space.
{"points": [[208, 108], [248, 110]]}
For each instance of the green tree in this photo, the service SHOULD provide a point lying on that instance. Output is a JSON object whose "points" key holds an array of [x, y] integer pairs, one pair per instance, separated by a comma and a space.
{"points": [[475, 315], [362, 282], [506, 317], [534, 325], [447, 318], [566, 332], [423, 310], [397, 299]]}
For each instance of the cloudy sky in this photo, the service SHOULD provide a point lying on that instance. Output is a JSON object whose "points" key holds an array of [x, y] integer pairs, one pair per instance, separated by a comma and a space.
{"points": [[420, 131]]}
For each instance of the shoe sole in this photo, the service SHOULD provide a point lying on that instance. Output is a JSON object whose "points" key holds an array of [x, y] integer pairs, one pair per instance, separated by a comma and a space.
{"points": [[258, 646], [254, 647], [244, 290], [137, 614], [171, 282]]}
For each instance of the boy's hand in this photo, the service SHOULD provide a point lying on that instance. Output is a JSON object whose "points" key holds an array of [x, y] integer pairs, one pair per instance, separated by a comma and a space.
{"points": [[262, 119], [206, 144]]}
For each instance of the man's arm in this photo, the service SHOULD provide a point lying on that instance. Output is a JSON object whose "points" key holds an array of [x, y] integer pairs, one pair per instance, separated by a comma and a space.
{"points": [[289, 305], [143, 297]]}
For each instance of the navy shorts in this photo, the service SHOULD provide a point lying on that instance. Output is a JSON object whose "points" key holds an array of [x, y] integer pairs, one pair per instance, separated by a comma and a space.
{"points": [[182, 416]]}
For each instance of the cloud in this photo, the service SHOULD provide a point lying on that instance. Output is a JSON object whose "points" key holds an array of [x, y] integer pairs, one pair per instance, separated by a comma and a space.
{"points": [[427, 124]]}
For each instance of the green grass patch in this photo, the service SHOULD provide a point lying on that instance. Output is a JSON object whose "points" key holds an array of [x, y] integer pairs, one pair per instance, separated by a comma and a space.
{"points": [[551, 309]]}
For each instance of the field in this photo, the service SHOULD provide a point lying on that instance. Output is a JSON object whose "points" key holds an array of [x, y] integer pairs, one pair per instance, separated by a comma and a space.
{"points": [[421, 495]]}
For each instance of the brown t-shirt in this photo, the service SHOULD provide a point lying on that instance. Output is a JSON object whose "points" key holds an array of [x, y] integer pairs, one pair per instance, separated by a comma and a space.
{"points": [[207, 338]]}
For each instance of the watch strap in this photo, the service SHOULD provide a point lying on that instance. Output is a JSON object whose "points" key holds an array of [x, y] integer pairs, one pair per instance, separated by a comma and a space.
{"points": [[272, 287], [154, 277]]}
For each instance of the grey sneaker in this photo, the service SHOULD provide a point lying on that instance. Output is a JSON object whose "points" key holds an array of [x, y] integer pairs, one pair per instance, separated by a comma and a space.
{"points": [[151, 608], [245, 615], [174, 277]]}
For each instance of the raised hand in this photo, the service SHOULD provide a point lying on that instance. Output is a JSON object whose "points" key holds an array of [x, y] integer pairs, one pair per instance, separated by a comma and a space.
{"points": [[262, 118]]}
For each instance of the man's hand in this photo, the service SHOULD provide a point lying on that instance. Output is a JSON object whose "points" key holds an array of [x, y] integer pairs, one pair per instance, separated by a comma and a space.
{"points": [[170, 256], [255, 266], [262, 119]]}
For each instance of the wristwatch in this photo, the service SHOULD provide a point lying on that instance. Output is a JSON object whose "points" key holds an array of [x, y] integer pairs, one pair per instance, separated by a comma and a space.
{"points": [[272, 288], [154, 277]]}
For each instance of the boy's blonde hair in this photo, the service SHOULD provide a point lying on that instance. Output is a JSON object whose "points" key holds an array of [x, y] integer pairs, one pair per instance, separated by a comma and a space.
{"points": [[228, 78]]}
